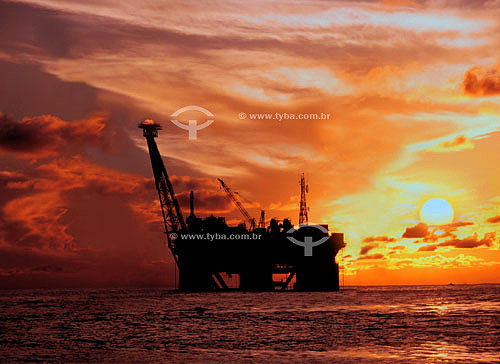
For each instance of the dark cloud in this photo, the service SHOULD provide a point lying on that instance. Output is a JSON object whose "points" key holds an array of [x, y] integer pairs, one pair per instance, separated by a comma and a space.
{"points": [[445, 231], [432, 237], [470, 242], [14, 180], [61, 34], [39, 29], [27, 90], [47, 268], [365, 249], [420, 230], [479, 81], [65, 34], [43, 135], [494, 219], [379, 238], [427, 248], [467, 243]]}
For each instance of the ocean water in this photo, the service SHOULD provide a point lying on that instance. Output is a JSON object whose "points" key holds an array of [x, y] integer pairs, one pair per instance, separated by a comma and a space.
{"points": [[417, 324]]}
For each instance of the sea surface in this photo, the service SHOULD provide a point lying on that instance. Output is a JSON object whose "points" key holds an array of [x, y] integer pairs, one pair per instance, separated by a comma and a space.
{"points": [[411, 324]]}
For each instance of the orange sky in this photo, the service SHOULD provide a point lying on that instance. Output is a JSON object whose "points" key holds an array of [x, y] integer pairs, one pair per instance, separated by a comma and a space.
{"points": [[412, 89]]}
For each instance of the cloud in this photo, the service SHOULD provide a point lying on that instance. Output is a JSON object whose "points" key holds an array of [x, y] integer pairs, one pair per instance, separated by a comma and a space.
{"points": [[480, 81], [73, 212], [454, 225], [466, 243], [47, 268], [470, 242], [98, 50], [41, 214], [372, 239], [440, 261], [379, 238], [459, 143], [28, 90], [301, 56], [420, 230], [494, 219], [373, 256], [365, 249], [78, 221], [47, 135], [401, 3], [445, 231], [35, 221], [427, 248]]}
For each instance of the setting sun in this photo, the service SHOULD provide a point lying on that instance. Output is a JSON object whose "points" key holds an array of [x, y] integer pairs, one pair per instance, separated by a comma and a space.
{"points": [[436, 211]]}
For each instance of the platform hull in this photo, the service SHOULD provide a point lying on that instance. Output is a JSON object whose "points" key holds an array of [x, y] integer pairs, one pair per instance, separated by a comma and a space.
{"points": [[256, 260]]}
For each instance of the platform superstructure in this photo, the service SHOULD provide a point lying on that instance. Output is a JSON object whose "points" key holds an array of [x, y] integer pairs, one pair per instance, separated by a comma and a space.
{"points": [[207, 249]]}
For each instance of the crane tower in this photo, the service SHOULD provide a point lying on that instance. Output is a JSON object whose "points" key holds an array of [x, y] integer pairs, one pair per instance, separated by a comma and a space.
{"points": [[172, 214]]}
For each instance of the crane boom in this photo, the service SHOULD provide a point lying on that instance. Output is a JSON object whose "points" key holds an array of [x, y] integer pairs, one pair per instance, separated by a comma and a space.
{"points": [[238, 204], [172, 214]]}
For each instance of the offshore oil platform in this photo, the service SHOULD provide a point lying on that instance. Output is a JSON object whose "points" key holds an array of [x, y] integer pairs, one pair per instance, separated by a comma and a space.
{"points": [[206, 249]]}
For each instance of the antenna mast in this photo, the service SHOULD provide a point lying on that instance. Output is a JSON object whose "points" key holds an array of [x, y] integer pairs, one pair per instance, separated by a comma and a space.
{"points": [[304, 188]]}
